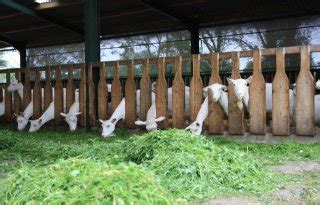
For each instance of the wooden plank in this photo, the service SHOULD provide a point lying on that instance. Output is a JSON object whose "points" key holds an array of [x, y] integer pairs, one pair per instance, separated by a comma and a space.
{"points": [[47, 89], [82, 96], [26, 89], [70, 89], [8, 114], [130, 91], [257, 96], [178, 96], [305, 124], [280, 97], [162, 94], [196, 87], [37, 99], [116, 88], [216, 113], [102, 94], [92, 106], [58, 97], [145, 91], [17, 100], [236, 116]]}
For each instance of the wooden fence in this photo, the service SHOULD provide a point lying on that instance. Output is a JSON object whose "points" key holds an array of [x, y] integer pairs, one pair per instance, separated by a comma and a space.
{"points": [[126, 87]]}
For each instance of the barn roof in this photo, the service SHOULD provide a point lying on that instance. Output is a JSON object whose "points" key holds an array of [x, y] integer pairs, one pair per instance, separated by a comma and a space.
{"points": [[62, 21]]}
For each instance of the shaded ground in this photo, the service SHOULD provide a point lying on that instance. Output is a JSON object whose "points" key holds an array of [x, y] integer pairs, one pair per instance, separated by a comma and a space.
{"points": [[305, 189]]}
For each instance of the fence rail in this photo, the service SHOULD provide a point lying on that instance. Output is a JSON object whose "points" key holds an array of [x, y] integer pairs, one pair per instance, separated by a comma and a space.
{"points": [[126, 87]]}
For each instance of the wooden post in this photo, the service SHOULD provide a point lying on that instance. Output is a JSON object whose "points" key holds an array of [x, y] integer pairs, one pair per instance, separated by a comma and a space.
{"points": [[178, 96], [17, 101], [305, 124], [280, 97], [216, 113], [47, 89], [58, 97], [92, 109], [162, 94], [70, 89], [257, 93], [196, 87], [145, 91], [82, 96], [235, 114], [130, 97], [8, 114], [102, 94], [26, 89], [116, 88], [37, 99]]}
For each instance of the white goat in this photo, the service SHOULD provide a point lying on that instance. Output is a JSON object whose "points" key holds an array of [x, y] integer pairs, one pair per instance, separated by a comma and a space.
{"points": [[45, 117], [241, 90], [72, 116], [151, 119], [220, 95]]}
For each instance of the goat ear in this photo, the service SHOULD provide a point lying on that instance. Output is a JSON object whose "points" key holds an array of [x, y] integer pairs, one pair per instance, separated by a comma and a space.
{"points": [[159, 119], [63, 114], [139, 122], [249, 79], [78, 113], [101, 121], [230, 81]]}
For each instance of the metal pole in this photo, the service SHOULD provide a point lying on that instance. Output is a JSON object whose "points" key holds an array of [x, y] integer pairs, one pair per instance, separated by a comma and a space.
{"points": [[92, 47]]}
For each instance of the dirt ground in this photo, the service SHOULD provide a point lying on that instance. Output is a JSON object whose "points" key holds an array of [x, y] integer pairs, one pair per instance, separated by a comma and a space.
{"points": [[305, 191]]}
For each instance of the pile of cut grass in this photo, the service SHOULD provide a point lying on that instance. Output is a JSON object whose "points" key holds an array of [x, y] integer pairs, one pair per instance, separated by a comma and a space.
{"points": [[83, 181], [194, 167]]}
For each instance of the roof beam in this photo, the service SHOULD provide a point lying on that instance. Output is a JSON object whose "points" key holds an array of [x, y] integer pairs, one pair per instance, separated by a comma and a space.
{"points": [[40, 15], [155, 5], [13, 43]]}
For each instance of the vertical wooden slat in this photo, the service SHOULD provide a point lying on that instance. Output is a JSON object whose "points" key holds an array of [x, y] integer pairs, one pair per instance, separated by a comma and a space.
{"points": [[130, 97], [116, 88], [70, 89], [58, 97], [216, 114], [178, 96], [196, 87], [47, 89], [235, 114], [305, 96], [257, 93], [82, 96], [8, 114], [1, 92], [280, 97], [145, 91], [37, 99], [162, 94], [17, 100], [102, 94], [92, 108], [26, 89]]}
